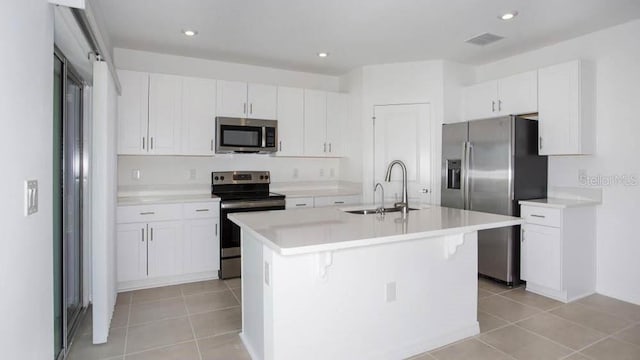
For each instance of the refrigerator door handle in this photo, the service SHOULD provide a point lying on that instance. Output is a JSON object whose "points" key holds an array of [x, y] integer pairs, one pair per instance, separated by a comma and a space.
{"points": [[463, 180], [467, 177]]}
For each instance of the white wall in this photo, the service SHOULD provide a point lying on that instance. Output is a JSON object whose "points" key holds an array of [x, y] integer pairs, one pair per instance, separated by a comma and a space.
{"points": [[26, 110], [104, 186], [137, 60], [175, 170], [401, 83], [616, 54]]}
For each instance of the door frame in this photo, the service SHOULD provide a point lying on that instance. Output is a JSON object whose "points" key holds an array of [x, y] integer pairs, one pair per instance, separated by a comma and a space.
{"points": [[432, 170]]}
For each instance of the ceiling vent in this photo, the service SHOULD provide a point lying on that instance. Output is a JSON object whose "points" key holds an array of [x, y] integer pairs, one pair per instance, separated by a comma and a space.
{"points": [[484, 39]]}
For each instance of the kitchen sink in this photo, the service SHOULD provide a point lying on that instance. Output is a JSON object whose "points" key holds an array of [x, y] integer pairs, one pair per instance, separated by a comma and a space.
{"points": [[373, 211]]}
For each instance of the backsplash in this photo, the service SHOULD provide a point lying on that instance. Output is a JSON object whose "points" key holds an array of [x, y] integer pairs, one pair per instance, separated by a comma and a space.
{"points": [[193, 170]]}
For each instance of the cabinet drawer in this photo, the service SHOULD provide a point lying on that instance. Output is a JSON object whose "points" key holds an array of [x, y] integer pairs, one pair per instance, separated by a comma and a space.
{"points": [[321, 201], [542, 216], [296, 203], [201, 210], [144, 213]]}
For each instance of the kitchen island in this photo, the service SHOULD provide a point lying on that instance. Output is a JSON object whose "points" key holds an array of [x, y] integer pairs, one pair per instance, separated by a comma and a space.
{"points": [[327, 284]]}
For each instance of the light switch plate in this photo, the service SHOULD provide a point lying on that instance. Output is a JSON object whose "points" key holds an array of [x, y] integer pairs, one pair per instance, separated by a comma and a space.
{"points": [[30, 197]]}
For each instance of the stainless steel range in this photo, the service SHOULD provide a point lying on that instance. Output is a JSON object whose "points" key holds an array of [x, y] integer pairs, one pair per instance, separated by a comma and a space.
{"points": [[240, 191]]}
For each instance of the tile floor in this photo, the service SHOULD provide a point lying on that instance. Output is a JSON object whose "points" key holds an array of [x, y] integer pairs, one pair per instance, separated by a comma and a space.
{"points": [[202, 321]]}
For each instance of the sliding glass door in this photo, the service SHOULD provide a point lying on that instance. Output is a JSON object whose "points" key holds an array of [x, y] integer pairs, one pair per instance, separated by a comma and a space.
{"points": [[68, 207]]}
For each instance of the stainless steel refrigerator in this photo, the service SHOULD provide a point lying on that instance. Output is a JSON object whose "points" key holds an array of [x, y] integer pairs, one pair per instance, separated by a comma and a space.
{"points": [[489, 165]]}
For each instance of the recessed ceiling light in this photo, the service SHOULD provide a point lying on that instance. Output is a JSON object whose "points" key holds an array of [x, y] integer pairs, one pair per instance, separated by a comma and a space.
{"points": [[323, 54], [190, 32], [508, 15]]}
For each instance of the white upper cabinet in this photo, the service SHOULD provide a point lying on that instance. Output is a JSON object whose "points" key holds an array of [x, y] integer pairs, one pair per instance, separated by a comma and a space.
{"points": [[198, 116], [165, 114], [513, 95], [232, 99], [315, 119], [518, 94], [239, 99], [133, 106], [290, 121], [479, 100], [262, 101], [337, 115], [566, 109]]}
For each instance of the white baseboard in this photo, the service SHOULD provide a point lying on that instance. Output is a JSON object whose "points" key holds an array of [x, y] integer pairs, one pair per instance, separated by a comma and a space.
{"points": [[250, 349], [165, 281], [425, 345]]}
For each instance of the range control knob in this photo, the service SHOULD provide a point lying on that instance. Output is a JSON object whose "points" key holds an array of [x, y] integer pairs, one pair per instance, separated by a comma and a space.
{"points": [[266, 176], [215, 178], [261, 177], [222, 178]]}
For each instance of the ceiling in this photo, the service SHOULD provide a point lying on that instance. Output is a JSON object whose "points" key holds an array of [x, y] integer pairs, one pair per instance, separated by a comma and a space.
{"points": [[288, 34]]}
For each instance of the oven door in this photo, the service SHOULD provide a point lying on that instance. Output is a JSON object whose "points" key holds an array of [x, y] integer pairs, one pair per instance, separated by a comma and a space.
{"points": [[230, 232]]}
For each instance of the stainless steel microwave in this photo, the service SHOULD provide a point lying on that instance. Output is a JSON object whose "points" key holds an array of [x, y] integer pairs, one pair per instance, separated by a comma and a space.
{"points": [[240, 135]]}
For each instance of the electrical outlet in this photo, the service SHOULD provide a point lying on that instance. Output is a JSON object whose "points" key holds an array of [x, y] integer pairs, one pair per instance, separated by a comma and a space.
{"points": [[135, 174], [192, 174], [391, 291], [30, 197]]}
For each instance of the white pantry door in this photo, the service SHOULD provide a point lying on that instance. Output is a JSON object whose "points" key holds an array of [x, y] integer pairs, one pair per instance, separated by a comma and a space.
{"points": [[402, 132]]}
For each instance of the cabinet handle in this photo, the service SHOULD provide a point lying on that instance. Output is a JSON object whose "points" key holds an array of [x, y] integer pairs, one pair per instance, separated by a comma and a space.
{"points": [[338, 202], [493, 106], [540, 142], [151, 234], [147, 213], [211, 144], [325, 147], [216, 229], [329, 147], [152, 143], [201, 210], [143, 143], [301, 204], [244, 108], [522, 235], [280, 145], [142, 234], [537, 216], [499, 105], [251, 108]]}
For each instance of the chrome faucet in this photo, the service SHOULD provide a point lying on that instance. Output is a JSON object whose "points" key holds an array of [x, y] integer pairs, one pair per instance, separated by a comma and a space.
{"points": [[381, 198], [404, 204]]}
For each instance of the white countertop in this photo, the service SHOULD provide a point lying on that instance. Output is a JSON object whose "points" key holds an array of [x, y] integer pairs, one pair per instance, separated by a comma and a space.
{"points": [[557, 203], [165, 199], [302, 231], [318, 192]]}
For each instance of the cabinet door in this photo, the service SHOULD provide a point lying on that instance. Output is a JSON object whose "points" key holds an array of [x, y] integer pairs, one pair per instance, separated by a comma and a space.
{"points": [[165, 112], [290, 121], [298, 202], [543, 255], [232, 99], [337, 113], [133, 106], [480, 101], [558, 114], [198, 116], [518, 94], [262, 101], [131, 251], [165, 248], [315, 122], [201, 245], [322, 201]]}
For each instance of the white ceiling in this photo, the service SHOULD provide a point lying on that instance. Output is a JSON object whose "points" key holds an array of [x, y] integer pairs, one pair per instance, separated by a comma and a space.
{"points": [[288, 33]]}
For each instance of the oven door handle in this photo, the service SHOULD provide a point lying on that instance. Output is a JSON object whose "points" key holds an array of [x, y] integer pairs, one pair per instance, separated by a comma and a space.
{"points": [[248, 204]]}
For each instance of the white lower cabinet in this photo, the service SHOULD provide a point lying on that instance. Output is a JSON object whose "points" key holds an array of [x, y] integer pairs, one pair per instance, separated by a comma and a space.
{"points": [[558, 251], [321, 201], [167, 244], [298, 202]]}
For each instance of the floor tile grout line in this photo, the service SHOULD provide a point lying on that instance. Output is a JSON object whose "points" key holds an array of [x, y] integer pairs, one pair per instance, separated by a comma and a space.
{"points": [[193, 330], [126, 331], [544, 337], [158, 347], [208, 311], [495, 348]]}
